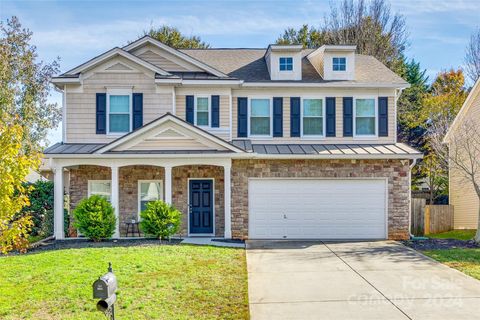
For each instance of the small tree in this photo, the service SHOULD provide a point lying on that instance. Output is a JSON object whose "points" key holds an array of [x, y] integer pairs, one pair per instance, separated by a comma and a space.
{"points": [[95, 218], [472, 56], [462, 153], [160, 219], [172, 37]]}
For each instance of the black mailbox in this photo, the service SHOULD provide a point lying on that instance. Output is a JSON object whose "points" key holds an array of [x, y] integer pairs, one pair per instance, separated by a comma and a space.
{"points": [[105, 286]]}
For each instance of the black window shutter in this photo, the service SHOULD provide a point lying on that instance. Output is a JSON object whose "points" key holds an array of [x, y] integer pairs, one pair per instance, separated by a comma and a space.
{"points": [[101, 110], [242, 117], [383, 116], [278, 117], [347, 116], [294, 117], [137, 119], [330, 114], [189, 101], [215, 111]]}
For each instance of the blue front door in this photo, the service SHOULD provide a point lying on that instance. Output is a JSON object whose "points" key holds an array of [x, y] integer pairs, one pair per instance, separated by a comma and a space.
{"points": [[201, 206]]}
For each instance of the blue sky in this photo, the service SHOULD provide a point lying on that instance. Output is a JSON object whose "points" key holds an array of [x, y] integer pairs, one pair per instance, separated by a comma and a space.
{"points": [[78, 30]]}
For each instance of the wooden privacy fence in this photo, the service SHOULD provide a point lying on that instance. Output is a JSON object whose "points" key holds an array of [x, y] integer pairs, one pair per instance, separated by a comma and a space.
{"points": [[438, 218], [418, 215], [427, 219]]}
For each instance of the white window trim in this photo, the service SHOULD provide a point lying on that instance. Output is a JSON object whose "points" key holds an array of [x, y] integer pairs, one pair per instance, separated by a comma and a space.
{"points": [[334, 64], [364, 136], [316, 136], [280, 70], [271, 117], [89, 192], [119, 92], [209, 126], [139, 183]]}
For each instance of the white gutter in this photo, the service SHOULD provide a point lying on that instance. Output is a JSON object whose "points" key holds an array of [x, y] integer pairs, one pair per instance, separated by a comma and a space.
{"points": [[338, 84]]}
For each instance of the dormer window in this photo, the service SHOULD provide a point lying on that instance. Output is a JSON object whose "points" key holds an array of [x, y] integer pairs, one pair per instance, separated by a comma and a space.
{"points": [[339, 64], [286, 63]]}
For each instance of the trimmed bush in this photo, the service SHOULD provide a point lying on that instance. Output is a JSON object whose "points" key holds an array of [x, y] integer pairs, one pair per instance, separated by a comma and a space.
{"points": [[94, 217], [160, 219]]}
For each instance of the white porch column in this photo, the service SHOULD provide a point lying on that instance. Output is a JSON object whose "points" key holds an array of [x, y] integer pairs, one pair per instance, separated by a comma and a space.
{"points": [[227, 200], [114, 197], [58, 203], [168, 184]]}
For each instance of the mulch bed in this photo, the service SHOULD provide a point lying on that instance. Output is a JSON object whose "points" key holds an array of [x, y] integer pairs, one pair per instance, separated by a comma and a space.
{"points": [[435, 244]]}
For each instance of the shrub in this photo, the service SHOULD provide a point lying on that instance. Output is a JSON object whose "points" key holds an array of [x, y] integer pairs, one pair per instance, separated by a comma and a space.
{"points": [[160, 219], [94, 217], [40, 209]]}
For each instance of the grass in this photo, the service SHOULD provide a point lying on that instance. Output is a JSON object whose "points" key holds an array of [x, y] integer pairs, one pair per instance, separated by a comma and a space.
{"points": [[465, 260], [155, 282], [454, 234]]}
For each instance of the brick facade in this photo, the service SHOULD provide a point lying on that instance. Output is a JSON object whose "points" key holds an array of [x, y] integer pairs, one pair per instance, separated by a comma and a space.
{"points": [[395, 170], [128, 189]]}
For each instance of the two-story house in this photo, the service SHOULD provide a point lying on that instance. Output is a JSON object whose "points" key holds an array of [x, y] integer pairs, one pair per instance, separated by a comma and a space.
{"points": [[276, 143]]}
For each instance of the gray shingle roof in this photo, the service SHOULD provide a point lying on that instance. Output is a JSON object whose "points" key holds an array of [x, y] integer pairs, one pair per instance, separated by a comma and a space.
{"points": [[250, 66]]}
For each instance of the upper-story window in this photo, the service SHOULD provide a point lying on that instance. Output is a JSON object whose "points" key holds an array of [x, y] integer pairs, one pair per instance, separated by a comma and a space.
{"points": [[260, 117], [312, 117], [286, 63], [365, 117], [202, 111], [119, 113], [339, 64]]}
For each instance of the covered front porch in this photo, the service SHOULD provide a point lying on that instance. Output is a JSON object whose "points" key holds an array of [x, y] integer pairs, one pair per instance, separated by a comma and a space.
{"points": [[198, 186]]}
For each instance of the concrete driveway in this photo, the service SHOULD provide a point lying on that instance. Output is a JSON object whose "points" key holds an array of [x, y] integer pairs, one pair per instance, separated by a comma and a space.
{"points": [[354, 280]]}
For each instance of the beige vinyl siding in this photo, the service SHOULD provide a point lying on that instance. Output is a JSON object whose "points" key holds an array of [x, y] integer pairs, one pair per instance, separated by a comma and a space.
{"points": [[234, 117], [171, 144], [81, 105], [464, 200], [339, 139], [462, 194], [224, 130], [161, 62]]}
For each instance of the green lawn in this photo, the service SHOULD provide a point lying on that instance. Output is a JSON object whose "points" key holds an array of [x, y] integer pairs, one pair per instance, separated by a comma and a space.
{"points": [[155, 282], [465, 260], [454, 234]]}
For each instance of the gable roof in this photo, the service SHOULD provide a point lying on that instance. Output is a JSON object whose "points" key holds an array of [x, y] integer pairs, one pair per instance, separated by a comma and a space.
{"points": [[164, 119], [202, 65], [463, 111], [112, 53]]}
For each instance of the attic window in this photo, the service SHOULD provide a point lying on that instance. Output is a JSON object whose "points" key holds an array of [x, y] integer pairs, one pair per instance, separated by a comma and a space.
{"points": [[339, 64], [286, 64]]}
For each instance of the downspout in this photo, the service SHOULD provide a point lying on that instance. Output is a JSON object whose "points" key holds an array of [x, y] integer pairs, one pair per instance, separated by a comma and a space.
{"points": [[414, 162]]}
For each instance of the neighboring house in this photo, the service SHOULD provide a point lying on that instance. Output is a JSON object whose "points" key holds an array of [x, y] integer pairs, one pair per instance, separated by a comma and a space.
{"points": [[275, 143], [462, 195]]}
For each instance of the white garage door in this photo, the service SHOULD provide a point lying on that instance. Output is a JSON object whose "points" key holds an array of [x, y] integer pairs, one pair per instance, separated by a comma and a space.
{"points": [[317, 209]]}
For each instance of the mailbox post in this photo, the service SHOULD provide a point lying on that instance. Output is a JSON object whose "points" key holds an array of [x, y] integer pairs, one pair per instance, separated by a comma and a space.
{"points": [[104, 288]]}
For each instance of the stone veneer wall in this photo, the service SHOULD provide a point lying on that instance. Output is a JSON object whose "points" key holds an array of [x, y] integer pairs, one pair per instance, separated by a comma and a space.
{"points": [[128, 186], [395, 170], [180, 176]]}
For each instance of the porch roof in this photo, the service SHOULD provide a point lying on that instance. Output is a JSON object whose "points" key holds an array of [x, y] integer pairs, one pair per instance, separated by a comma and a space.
{"points": [[90, 148], [397, 149]]}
